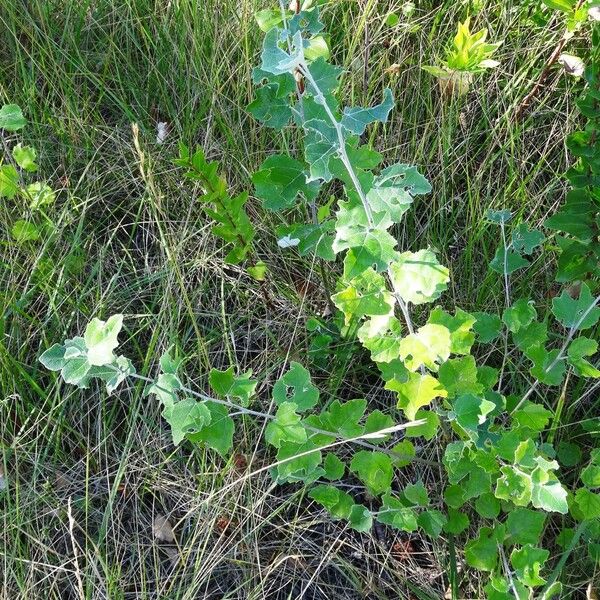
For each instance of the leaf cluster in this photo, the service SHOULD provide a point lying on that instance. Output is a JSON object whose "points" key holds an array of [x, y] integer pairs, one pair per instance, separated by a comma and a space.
{"points": [[233, 225], [467, 53], [32, 198]]}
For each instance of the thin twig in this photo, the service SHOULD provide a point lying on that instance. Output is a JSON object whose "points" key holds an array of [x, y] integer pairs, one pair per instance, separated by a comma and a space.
{"points": [[561, 355], [75, 551], [358, 440], [524, 105]]}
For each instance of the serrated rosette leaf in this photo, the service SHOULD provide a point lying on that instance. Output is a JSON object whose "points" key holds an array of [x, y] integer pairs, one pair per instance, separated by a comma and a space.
{"points": [[580, 313], [460, 376], [226, 384], [166, 388], [11, 117], [374, 469], [286, 427], [299, 462], [471, 411], [519, 315], [507, 261], [487, 327], [324, 75], [101, 339], [395, 513], [337, 502], [460, 327], [269, 108], [277, 61], [121, 369], [578, 350], [307, 21], [320, 149], [547, 492], [528, 562], [296, 387], [393, 189], [587, 503], [185, 417], [343, 418], [548, 366], [526, 240], [309, 238], [482, 552], [218, 433]]}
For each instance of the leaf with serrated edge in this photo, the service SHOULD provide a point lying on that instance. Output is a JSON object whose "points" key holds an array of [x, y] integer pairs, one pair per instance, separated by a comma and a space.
{"points": [[374, 245], [417, 392], [418, 277], [581, 313], [296, 386], [374, 469], [429, 346], [101, 339], [228, 385], [286, 426], [357, 119], [11, 118]]}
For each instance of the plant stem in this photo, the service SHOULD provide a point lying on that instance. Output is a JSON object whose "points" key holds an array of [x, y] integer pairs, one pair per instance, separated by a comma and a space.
{"points": [[320, 98], [322, 270], [507, 570], [358, 440], [507, 302], [524, 104]]}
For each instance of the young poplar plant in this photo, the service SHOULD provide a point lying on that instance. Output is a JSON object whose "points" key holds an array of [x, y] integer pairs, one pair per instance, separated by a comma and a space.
{"points": [[502, 468], [502, 484]]}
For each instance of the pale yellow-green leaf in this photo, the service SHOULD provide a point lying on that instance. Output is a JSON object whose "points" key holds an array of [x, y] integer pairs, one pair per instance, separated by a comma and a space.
{"points": [[418, 391], [418, 277], [429, 346]]}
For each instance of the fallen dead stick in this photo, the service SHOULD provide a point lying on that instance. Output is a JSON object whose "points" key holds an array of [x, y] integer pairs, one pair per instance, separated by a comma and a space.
{"points": [[524, 105]]}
